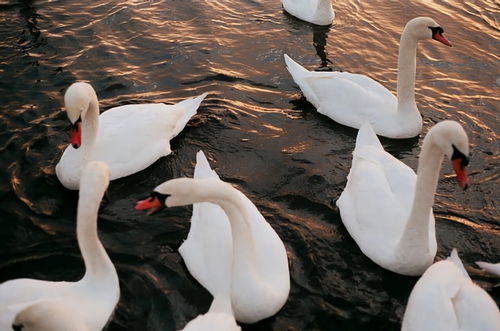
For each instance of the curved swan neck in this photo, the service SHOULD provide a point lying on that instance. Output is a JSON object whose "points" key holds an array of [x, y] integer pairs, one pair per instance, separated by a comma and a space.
{"points": [[416, 232], [90, 126], [97, 261], [406, 71], [232, 202]]}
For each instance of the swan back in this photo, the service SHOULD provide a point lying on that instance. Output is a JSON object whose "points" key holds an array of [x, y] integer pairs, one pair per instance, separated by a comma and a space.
{"points": [[318, 12], [48, 316]]}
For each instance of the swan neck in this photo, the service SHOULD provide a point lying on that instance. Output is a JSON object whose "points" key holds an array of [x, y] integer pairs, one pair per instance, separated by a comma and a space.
{"points": [[90, 127], [429, 165], [406, 71], [237, 212], [97, 262], [233, 202]]}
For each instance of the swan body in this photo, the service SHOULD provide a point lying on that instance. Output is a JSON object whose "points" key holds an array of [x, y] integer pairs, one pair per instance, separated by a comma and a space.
{"points": [[492, 268], [387, 209], [446, 299], [352, 99], [229, 242], [318, 12], [49, 315], [94, 296], [128, 138]]}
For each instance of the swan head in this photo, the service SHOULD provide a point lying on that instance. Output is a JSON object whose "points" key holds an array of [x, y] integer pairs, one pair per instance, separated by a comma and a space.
{"points": [[451, 138], [77, 101], [95, 177], [48, 316], [424, 28], [180, 192]]}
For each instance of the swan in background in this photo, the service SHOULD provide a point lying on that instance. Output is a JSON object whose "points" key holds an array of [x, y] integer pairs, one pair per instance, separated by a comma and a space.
{"points": [[48, 316], [446, 299], [387, 209], [492, 268], [128, 138], [93, 297], [229, 242], [352, 99], [318, 12]]}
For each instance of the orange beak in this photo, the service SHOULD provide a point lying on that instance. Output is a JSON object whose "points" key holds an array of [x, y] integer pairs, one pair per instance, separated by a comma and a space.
{"points": [[439, 37], [463, 180], [151, 204], [76, 134]]}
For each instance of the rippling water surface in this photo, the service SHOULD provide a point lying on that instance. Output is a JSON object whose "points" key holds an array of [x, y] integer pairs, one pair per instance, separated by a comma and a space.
{"points": [[258, 133]]}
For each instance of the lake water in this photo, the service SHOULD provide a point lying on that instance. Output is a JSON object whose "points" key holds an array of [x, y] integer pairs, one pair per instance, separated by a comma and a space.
{"points": [[258, 133]]}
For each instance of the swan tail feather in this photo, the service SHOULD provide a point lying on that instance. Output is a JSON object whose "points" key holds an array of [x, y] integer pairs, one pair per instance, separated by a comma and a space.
{"points": [[300, 77], [202, 168], [366, 136], [456, 259], [189, 107], [294, 68]]}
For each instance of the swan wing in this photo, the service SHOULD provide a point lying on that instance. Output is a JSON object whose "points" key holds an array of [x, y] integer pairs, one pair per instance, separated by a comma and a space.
{"points": [[132, 137], [349, 99], [376, 201]]}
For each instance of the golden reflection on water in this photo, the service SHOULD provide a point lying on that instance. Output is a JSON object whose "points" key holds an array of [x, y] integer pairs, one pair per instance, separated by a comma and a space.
{"points": [[483, 227]]}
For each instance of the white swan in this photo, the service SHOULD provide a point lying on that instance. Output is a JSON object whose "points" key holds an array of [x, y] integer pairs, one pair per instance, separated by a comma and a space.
{"points": [[446, 299], [318, 12], [94, 296], [128, 138], [387, 209], [352, 99], [240, 249], [492, 268], [52, 315], [219, 317]]}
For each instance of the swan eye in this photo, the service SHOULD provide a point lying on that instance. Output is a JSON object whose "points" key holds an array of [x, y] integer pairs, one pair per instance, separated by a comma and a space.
{"points": [[74, 126], [159, 196], [457, 155], [436, 30], [17, 327]]}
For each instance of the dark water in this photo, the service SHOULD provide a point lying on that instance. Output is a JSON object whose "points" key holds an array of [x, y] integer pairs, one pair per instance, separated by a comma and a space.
{"points": [[258, 134]]}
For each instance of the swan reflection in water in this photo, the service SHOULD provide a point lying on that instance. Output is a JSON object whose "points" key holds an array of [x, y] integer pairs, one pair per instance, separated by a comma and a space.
{"points": [[320, 36]]}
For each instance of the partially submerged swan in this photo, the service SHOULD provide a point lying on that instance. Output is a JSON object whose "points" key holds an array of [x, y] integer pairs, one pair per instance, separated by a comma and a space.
{"points": [[127, 138], [352, 99], [446, 299], [229, 242], [93, 297], [387, 209]]}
